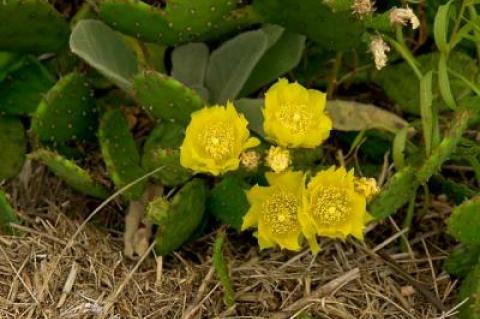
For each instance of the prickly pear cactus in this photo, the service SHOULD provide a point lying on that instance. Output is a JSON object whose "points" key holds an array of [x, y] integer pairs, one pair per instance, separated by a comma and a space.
{"points": [[120, 153], [7, 215], [75, 176], [31, 26], [13, 146], [165, 98], [161, 149], [67, 112], [228, 201], [178, 219], [315, 19], [181, 20], [470, 289], [22, 90]]}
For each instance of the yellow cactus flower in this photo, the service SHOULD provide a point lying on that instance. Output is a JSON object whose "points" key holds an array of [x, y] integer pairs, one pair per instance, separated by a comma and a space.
{"points": [[332, 207], [295, 116], [278, 159], [274, 210], [367, 187], [214, 140]]}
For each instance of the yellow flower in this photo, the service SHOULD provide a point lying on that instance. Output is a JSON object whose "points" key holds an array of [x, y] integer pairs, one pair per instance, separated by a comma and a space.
{"points": [[274, 210], [278, 159], [332, 207], [214, 140], [294, 116], [366, 186]]}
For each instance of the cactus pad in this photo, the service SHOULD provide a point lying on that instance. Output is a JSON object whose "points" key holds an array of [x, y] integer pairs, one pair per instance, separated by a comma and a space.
{"points": [[165, 98], [470, 289], [178, 220], [161, 149], [313, 18], [13, 146], [31, 26], [464, 222], [71, 173], [7, 215], [120, 153], [67, 112], [228, 202], [181, 21], [22, 90]]}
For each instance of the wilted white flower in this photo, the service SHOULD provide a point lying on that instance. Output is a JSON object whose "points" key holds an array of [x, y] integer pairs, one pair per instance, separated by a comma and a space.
{"points": [[402, 16], [363, 7], [379, 50], [250, 160]]}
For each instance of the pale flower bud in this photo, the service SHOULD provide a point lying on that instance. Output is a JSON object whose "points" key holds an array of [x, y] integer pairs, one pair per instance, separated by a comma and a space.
{"points": [[379, 50], [402, 16], [278, 159], [250, 160], [367, 187]]}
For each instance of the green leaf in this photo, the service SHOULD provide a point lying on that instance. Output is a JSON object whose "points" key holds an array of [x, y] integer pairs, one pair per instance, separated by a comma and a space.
{"points": [[444, 82], [105, 50], [426, 110], [13, 146], [252, 110], [189, 64], [398, 149], [22, 90], [232, 63], [464, 223], [401, 84], [440, 27], [75, 176], [280, 58], [7, 215], [178, 220], [228, 202], [462, 260], [354, 116]]}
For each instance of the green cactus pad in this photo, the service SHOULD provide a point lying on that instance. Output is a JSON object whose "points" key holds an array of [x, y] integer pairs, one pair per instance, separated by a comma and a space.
{"points": [[178, 220], [228, 201], [22, 90], [67, 112], [120, 153], [31, 26], [7, 215], [470, 288], [462, 260], [161, 149], [336, 31], [165, 98], [181, 21], [13, 146], [71, 173], [464, 223]]}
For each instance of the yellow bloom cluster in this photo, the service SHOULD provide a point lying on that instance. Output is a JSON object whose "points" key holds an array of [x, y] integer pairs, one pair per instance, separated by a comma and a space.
{"points": [[288, 210]]}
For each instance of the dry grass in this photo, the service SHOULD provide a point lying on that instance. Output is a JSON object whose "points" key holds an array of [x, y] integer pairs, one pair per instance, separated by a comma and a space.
{"points": [[38, 281]]}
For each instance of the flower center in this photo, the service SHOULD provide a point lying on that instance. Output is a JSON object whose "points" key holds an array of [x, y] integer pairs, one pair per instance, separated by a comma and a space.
{"points": [[297, 117], [330, 206], [217, 140], [280, 212]]}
